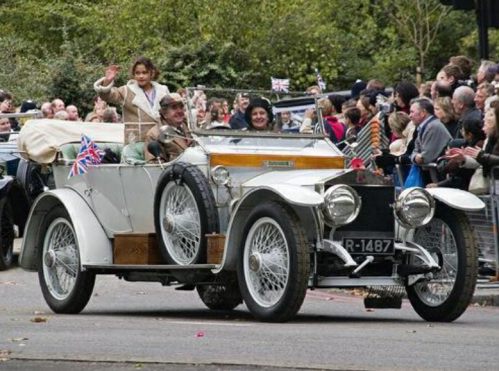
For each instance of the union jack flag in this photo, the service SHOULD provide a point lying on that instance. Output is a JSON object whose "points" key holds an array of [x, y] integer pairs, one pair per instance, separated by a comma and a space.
{"points": [[89, 154], [320, 81], [280, 84]]}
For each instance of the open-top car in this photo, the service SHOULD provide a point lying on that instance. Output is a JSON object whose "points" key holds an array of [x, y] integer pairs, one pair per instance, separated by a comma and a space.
{"points": [[245, 215]]}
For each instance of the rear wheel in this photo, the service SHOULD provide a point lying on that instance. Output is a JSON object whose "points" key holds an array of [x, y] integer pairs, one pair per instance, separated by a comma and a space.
{"points": [[274, 263], [225, 296], [450, 239], [65, 287], [6, 236]]}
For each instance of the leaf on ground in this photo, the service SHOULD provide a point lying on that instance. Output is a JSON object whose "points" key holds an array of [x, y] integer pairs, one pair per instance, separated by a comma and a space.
{"points": [[38, 312], [4, 355], [39, 319], [11, 283], [17, 340]]}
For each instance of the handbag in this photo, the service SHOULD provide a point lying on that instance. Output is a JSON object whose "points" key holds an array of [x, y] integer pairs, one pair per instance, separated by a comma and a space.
{"points": [[479, 184], [415, 177]]}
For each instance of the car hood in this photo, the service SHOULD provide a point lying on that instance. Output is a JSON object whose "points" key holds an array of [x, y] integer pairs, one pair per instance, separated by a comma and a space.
{"points": [[305, 178]]}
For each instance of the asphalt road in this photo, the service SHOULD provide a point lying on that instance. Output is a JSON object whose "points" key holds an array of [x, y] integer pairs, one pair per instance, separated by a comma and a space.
{"points": [[147, 326]]}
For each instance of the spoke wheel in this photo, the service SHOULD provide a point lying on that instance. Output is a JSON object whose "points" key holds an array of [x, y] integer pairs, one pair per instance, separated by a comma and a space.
{"points": [[185, 211], [273, 267], [6, 236], [449, 238], [65, 287]]}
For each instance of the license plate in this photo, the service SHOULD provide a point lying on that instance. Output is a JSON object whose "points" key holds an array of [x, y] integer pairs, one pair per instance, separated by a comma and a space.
{"points": [[369, 246]]}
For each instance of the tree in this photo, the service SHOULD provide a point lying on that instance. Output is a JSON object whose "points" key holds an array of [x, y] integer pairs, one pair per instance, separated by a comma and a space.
{"points": [[419, 21]]}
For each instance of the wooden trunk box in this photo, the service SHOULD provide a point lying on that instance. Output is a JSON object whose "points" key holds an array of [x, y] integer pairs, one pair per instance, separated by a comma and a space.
{"points": [[215, 250], [136, 131], [136, 248]]}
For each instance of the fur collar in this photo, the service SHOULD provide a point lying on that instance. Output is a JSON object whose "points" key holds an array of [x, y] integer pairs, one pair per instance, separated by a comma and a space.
{"points": [[140, 99]]}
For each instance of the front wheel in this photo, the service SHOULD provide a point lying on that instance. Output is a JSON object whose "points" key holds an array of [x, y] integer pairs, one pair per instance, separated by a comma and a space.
{"points": [[450, 239], [65, 287], [274, 263]]}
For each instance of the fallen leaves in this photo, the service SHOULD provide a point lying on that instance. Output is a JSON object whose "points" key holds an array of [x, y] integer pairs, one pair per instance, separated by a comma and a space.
{"points": [[39, 319], [4, 355]]}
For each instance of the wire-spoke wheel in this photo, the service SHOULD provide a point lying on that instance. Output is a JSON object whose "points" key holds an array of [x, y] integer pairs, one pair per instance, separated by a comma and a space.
{"points": [[65, 287], [6, 236], [185, 211], [273, 264], [447, 294]]}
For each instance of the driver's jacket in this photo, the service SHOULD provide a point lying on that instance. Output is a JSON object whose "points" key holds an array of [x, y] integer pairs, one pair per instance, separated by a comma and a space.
{"points": [[170, 150]]}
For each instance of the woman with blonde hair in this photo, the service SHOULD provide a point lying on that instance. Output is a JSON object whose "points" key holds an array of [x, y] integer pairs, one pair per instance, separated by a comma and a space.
{"points": [[444, 111], [403, 128]]}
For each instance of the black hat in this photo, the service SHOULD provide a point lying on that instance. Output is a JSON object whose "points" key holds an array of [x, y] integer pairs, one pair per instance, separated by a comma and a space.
{"points": [[27, 105], [357, 88], [258, 102]]}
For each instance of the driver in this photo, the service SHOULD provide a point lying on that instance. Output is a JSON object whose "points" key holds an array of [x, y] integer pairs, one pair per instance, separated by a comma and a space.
{"points": [[172, 114]]}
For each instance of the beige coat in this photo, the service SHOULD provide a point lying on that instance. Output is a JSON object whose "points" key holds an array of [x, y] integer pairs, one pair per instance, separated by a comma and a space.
{"points": [[169, 151], [131, 98]]}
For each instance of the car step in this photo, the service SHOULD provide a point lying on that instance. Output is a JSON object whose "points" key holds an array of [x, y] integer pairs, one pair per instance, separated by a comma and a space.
{"points": [[110, 268]]}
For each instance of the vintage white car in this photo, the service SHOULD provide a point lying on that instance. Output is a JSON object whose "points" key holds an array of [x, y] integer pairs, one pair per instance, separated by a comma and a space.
{"points": [[281, 210]]}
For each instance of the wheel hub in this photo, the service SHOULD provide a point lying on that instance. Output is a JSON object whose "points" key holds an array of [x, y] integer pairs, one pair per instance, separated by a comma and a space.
{"points": [[168, 224], [49, 258], [255, 262]]}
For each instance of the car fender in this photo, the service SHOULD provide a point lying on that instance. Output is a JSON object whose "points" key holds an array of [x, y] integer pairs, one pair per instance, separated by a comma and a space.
{"points": [[457, 198], [95, 247], [304, 201]]}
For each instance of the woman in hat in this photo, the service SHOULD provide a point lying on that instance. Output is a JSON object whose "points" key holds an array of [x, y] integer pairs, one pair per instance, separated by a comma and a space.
{"points": [[140, 97], [259, 114]]}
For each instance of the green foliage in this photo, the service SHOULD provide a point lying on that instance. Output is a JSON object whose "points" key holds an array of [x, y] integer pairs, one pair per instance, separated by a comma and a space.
{"points": [[59, 47]]}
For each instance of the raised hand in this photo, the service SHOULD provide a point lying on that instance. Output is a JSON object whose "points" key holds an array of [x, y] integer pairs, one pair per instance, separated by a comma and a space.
{"points": [[111, 72]]}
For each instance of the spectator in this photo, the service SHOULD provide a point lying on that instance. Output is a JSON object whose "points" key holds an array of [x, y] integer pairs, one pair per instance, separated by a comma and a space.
{"points": [[486, 72], [61, 115], [483, 91], [100, 106], [238, 119], [464, 106], [110, 115], [403, 128], [333, 127], [440, 89], [367, 106], [376, 85], [444, 111], [58, 105], [432, 136], [140, 97], [357, 88], [404, 92], [464, 63], [286, 123], [47, 111], [6, 106], [72, 111], [313, 90], [217, 119], [225, 107], [337, 101], [425, 89], [450, 75], [352, 119], [27, 105]]}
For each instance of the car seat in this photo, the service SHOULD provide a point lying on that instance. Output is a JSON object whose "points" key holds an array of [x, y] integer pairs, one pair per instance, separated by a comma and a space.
{"points": [[133, 154]]}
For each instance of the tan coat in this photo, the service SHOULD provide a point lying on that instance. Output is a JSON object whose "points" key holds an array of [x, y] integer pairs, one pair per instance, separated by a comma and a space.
{"points": [[131, 98], [169, 151]]}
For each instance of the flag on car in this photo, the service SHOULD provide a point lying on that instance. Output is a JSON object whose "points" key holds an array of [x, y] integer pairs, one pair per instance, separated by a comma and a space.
{"points": [[320, 81], [89, 154], [280, 85]]}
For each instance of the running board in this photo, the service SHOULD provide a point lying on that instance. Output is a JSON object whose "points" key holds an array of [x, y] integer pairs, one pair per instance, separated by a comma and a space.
{"points": [[112, 268]]}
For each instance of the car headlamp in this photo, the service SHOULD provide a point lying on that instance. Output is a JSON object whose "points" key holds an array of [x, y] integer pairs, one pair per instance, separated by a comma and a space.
{"points": [[341, 205], [220, 175], [414, 208]]}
